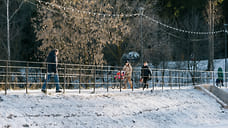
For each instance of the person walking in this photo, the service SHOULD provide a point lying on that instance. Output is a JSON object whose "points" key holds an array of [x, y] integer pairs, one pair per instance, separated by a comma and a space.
{"points": [[145, 74], [128, 73], [52, 70], [219, 80]]}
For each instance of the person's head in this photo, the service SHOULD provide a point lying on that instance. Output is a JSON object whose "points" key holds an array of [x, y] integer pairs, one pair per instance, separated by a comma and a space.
{"points": [[56, 52], [145, 63], [127, 63]]}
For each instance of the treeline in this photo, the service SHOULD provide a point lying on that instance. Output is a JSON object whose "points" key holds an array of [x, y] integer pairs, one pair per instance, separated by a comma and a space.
{"points": [[37, 27]]}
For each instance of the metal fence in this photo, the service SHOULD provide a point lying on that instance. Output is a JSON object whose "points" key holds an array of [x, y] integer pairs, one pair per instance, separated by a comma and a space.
{"points": [[18, 75]]}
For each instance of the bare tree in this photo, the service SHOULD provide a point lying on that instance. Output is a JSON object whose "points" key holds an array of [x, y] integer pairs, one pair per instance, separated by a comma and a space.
{"points": [[80, 36], [213, 17], [11, 26]]}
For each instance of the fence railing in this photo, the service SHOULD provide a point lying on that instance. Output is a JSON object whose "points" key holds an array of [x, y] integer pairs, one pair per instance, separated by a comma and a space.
{"points": [[30, 75]]}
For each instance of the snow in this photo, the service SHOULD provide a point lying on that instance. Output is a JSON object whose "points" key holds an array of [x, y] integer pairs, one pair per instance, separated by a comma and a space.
{"points": [[168, 108], [226, 89], [176, 108]]}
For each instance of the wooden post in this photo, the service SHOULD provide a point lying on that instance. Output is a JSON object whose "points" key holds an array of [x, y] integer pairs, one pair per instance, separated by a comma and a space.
{"points": [[6, 85], [107, 78], [121, 80], [94, 79], [26, 86], [64, 86], [178, 78], [152, 81], [170, 79], [46, 77], [79, 79]]}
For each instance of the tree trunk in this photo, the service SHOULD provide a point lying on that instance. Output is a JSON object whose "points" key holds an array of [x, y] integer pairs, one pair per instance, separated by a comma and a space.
{"points": [[211, 37]]}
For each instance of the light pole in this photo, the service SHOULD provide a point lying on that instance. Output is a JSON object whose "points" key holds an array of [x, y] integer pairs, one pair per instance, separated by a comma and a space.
{"points": [[8, 29], [225, 25], [141, 10]]}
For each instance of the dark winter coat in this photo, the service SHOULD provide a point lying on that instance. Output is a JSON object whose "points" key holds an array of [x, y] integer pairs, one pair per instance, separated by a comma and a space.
{"points": [[52, 62], [220, 74], [145, 72]]}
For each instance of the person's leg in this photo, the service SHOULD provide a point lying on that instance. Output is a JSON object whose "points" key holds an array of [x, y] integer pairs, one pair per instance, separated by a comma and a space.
{"points": [[217, 82], [125, 83], [130, 82], [144, 83], [46, 80], [145, 79], [56, 77]]}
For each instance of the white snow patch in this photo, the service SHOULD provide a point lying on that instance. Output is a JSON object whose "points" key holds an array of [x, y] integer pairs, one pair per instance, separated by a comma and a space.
{"points": [[184, 108]]}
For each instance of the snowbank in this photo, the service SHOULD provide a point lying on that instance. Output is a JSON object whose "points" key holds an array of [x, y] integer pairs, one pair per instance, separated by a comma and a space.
{"points": [[184, 108]]}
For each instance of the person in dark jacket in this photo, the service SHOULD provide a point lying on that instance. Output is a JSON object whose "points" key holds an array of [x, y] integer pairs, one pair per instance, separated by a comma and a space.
{"points": [[219, 80], [145, 74], [52, 69]]}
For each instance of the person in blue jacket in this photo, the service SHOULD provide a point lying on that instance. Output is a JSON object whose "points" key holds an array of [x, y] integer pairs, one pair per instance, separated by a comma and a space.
{"points": [[52, 62]]}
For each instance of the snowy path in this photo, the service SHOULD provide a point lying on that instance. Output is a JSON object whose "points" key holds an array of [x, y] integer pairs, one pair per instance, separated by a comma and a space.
{"points": [[185, 108]]}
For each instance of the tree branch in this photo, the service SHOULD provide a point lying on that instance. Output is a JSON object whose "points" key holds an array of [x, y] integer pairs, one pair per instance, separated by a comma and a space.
{"points": [[3, 45], [3, 16], [22, 2]]}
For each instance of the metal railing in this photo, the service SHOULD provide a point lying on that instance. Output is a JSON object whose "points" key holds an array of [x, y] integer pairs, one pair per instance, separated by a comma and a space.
{"points": [[30, 75]]}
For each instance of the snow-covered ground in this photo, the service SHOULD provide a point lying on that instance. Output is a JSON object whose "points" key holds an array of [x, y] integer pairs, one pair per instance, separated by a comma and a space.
{"points": [[184, 108], [225, 89]]}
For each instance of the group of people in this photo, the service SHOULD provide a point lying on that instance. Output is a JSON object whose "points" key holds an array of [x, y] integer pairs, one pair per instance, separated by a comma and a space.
{"points": [[145, 74], [53, 71], [127, 69]]}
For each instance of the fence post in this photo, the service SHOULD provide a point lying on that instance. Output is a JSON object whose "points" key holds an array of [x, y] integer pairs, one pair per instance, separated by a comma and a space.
{"points": [[133, 81], [64, 85], [6, 85], [182, 78], [40, 79], [162, 79], [121, 78], [206, 82], [46, 78], [26, 86], [152, 81], [225, 80], [178, 78], [170, 80], [107, 78], [213, 78], [79, 79], [95, 71]]}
